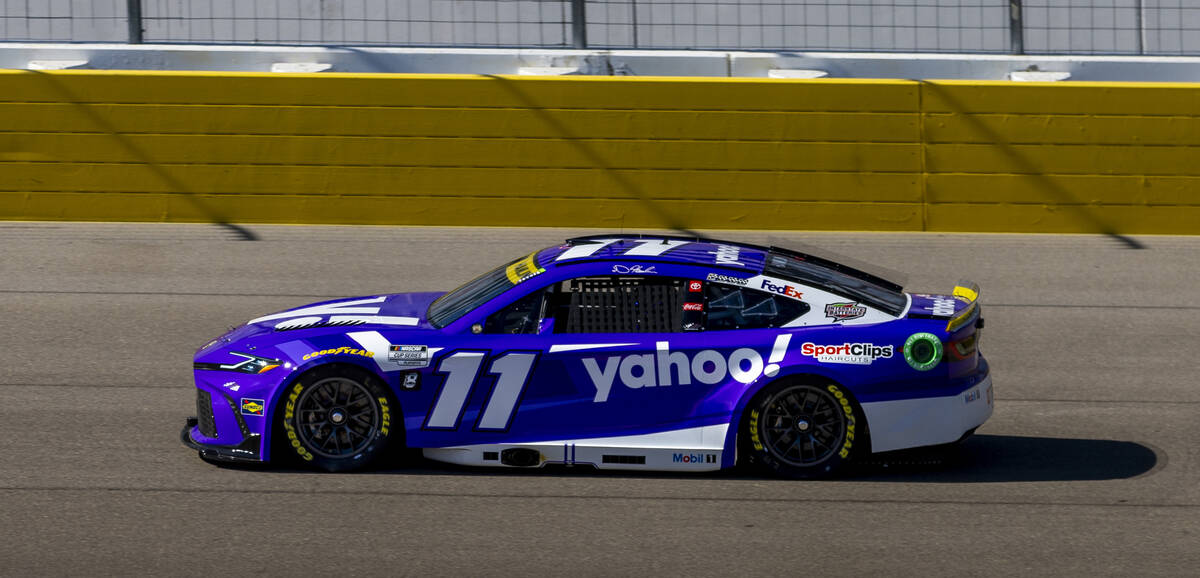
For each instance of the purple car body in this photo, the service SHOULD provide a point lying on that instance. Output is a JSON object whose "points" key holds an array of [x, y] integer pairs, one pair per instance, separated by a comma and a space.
{"points": [[621, 352]]}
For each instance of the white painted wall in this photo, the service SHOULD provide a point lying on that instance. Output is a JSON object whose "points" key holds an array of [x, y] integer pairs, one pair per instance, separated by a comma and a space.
{"points": [[597, 62], [1078, 26]]}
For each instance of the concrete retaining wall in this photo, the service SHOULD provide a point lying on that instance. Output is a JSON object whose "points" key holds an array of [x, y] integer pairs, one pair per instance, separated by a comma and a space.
{"points": [[599, 152]]}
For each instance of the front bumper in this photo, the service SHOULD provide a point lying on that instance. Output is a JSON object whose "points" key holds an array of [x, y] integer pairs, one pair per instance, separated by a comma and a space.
{"points": [[250, 450]]}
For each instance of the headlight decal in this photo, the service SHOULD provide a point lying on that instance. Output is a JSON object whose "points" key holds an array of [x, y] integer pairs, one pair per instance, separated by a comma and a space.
{"points": [[252, 364]]}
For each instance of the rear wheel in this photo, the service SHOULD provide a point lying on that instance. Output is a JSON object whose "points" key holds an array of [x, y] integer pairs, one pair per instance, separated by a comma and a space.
{"points": [[800, 430], [337, 419]]}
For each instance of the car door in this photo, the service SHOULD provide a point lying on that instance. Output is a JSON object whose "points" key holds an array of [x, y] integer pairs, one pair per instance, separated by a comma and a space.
{"points": [[602, 356], [586, 357], [629, 356]]}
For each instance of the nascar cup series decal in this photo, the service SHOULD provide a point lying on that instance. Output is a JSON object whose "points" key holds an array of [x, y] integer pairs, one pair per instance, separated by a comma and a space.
{"points": [[409, 355], [848, 353], [665, 367]]}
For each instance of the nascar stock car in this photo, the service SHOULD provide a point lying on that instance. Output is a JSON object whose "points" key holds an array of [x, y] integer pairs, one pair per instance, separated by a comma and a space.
{"points": [[616, 352]]}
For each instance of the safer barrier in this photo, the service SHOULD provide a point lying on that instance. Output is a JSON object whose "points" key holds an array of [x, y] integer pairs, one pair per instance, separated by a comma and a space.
{"points": [[599, 152]]}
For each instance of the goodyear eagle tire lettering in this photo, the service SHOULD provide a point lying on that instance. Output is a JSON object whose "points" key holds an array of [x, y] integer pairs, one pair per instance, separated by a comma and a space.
{"points": [[337, 418], [754, 439], [802, 429]]}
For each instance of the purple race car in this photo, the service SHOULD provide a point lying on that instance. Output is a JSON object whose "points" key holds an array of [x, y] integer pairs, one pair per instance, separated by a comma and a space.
{"points": [[619, 351]]}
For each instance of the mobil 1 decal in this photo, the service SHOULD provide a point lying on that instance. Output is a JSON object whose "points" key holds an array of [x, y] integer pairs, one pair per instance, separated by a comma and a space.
{"points": [[666, 368]]}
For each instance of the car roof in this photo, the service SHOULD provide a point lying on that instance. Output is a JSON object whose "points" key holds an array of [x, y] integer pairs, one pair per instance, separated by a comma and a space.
{"points": [[632, 248], [701, 251]]}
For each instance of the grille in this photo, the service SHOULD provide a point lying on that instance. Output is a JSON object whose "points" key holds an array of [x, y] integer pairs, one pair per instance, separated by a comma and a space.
{"points": [[204, 414]]}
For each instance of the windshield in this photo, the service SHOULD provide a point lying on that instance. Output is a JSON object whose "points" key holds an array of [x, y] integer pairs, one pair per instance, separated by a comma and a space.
{"points": [[847, 284], [453, 305]]}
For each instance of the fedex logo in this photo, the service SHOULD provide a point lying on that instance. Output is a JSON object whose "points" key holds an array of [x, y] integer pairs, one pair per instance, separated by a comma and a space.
{"points": [[664, 367], [786, 290]]}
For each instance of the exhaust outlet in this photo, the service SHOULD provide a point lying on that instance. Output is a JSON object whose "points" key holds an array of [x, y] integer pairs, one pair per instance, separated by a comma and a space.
{"points": [[521, 457]]}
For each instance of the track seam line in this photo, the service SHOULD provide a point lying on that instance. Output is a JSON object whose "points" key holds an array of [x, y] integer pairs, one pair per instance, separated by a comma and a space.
{"points": [[604, 498]]}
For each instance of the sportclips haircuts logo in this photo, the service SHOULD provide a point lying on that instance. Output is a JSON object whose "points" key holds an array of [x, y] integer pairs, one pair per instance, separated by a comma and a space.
{"points": [[665, 367], [849, 353]]}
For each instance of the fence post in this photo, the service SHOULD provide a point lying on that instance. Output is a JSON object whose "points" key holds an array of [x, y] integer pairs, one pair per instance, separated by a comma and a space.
{"points": [[134, 13], [1016, 27], [1141, 27], [579, 24]]}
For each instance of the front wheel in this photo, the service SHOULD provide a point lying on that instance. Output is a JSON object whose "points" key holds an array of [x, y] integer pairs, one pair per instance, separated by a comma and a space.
{"points": [[337, 419], [800, 430]]}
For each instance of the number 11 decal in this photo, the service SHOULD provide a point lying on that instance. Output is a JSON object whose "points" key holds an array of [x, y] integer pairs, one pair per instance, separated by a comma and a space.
{"points": [[512, 371]]}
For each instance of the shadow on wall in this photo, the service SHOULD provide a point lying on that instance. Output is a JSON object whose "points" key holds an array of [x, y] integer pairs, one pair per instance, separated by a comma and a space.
{"points": [[1048, 186], [668, 220], [174, 184]]}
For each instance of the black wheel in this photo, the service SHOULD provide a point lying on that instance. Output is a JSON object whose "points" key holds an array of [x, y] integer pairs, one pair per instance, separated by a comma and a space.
{"points": [[800, 430], [337, 418]]}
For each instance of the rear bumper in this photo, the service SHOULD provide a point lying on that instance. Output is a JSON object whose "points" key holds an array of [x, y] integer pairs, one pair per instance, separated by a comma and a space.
{"points": [[930, 421], [250, 450]]}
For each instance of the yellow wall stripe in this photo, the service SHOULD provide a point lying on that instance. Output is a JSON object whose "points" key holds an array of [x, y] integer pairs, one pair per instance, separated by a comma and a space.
{"points": [[826, 154]]}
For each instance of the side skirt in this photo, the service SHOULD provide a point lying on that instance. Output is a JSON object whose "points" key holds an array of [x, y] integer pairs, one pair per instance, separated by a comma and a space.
{"points": [[693, 450]]}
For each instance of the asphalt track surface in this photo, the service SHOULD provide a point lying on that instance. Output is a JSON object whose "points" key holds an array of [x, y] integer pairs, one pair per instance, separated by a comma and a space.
{"points": [[1089, 466]]}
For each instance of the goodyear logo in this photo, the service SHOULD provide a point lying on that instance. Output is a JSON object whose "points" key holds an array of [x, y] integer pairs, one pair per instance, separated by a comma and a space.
{"points": [[339, 351], [252, 406]]}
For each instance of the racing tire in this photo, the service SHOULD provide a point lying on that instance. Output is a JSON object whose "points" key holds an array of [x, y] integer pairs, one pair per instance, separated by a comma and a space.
{"points": [[336, 418], [800, 430]]}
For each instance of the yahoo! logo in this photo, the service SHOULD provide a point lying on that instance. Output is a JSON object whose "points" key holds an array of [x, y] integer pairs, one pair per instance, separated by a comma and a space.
{"points": [[664, 367]]}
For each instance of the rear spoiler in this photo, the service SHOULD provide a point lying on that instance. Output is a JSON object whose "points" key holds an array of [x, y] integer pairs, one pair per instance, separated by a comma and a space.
{"points": [[967, 292]]}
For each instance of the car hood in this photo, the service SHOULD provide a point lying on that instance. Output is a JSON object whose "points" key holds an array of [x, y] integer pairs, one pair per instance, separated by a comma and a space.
{"points": [[395, 310]]}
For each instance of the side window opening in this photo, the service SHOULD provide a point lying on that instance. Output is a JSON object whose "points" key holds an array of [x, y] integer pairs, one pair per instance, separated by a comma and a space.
{"points": [[519, 318], [620, 305], [731, 307]]}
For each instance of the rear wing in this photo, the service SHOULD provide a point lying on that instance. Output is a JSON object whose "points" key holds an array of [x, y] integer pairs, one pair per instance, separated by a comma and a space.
{"points": [[967, 292]]}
